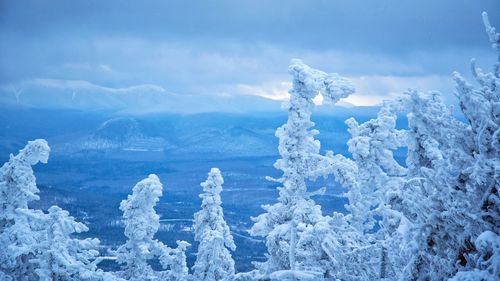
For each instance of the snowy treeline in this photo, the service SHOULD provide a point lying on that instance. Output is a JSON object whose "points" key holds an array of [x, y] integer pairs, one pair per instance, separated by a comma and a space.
{"points": [[434, 217]]}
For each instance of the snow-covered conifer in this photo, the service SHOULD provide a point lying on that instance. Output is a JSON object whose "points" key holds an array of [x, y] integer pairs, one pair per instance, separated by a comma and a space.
{"points": [[459, 168], [141, 224], [61, 257], [475, 180], [287, 225], [429, 212], [174, 260], [18, 187], [213, 260], [17, 182], [373, 188]]}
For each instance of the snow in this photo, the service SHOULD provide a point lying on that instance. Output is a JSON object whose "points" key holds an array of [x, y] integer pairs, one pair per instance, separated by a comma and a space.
{"points": [[434, 217]]}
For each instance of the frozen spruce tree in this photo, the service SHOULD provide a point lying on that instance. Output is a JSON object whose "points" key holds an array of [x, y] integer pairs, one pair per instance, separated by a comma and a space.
{"points": [[141, 224], [174, 260], [476, 205], [18, 232], [373, 180], [428, 218], [18, 183], [290, 224], [59, 256], [458, 177], [213, 260]]}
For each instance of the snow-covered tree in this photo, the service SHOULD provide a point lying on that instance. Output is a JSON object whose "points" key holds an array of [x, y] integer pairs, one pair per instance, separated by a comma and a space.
{"points": [[290, 224], [18, 234], [458, 167], [141, 224], [213, 260], [18, 183], [373, 180], [62, 257], [476, 178], [424, 217], [174, 260], [35, 245]]}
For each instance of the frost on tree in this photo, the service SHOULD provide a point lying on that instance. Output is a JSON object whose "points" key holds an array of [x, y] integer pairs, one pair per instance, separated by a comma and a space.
{"points": [[141, 224], [174, 261], [18, 183], [477, 178], [462, 187], [294, 227], [486, 260], [425, 217], [62, 257], [213, 260], [35, 245], [371, 178], [17, 231]]}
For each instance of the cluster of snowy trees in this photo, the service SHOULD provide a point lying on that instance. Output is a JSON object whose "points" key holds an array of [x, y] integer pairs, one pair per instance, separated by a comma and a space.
{"points": [[434, 217], [35, 245]]}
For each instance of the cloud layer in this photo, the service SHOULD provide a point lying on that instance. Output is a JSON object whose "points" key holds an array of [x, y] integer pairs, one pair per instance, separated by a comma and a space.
{"points": [[229, 48]]}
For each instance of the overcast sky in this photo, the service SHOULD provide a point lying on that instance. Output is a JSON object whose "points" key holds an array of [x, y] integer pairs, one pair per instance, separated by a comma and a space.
{"points": [[244, 47]]}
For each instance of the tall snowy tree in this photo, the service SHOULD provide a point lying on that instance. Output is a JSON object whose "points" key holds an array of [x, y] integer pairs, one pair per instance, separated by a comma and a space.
{"points": [[459, 167], [213, 260], [476, 179], [141, 224], [426, 216], [373, 179], [18, 234], [288, 224]]}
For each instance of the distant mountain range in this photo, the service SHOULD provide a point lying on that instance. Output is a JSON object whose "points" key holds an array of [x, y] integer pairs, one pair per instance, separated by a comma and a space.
{"points": [[139, 99], [180, 135]]}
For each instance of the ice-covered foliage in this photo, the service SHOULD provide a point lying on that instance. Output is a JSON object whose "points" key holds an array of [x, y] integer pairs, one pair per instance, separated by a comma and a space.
{"points": [[18, 233], [18, 183], [213, 260], [141, 224], [36, 245], [486, 260], [294, 227], [424, 217], [174, 261], [62, 257], [378, 173], [458, 177], [374, 180], [476, 204]]}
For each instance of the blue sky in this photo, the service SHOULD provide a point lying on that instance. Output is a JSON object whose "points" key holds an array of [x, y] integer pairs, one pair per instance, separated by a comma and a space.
{"points": [[231, 48]]}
